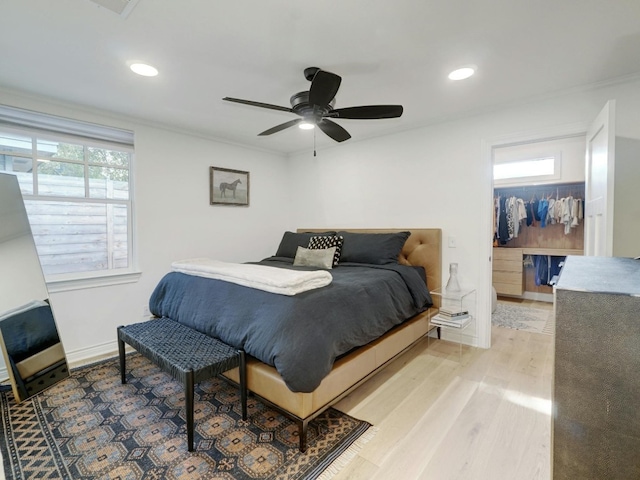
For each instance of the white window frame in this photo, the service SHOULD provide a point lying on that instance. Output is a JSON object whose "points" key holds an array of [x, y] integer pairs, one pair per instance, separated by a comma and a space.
{"points": [[48, 127], [528, 180]]}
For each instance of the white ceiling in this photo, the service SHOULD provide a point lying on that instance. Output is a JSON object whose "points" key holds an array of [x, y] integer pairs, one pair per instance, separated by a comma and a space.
{"points": [[387, 52]]}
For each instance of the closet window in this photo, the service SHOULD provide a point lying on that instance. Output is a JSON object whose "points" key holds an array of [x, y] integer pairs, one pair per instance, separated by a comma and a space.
{"points": [[75, 178], [531, 169]]}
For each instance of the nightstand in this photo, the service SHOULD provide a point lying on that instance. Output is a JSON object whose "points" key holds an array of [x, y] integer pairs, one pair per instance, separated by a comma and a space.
{"points": [[456, 315]]}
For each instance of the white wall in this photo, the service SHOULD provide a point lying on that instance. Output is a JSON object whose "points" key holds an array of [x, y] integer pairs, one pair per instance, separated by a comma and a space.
{"points": [[626, 227], [440, 176], [173, 220]]}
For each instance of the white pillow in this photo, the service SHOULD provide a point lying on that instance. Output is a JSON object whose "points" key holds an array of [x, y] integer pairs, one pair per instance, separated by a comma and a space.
{"points": [[319, 257]]}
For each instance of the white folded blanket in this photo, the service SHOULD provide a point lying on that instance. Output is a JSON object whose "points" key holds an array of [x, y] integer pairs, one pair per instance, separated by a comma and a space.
{"points": [[262, 277]]}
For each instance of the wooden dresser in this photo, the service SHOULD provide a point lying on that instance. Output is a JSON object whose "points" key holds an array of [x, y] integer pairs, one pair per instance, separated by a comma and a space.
{"points": [[509, 277], [507, 271]]}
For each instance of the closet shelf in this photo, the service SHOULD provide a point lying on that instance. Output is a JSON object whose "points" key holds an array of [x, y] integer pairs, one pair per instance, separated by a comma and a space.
{"points": [[554, 252]]}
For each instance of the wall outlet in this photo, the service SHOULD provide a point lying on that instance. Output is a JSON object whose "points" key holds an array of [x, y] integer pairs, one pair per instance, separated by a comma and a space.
{"points": [[452, 242]]}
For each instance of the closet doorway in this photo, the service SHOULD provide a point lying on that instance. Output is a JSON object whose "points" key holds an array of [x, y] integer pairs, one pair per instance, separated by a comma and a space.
{"points": [[538, 214]]}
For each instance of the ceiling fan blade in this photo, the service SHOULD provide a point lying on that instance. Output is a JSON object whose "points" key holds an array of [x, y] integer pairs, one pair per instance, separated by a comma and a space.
{"points": [[324, 87], [334, 130], [258, 104], [369, 112], [280, 127]]}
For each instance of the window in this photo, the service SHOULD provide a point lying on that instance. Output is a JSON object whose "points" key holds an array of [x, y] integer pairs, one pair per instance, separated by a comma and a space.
{"points": [[77, 192], [527, 170]]}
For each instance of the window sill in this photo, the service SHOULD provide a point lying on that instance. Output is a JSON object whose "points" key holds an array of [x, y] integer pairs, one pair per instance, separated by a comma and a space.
{"points": [[66, 285]]}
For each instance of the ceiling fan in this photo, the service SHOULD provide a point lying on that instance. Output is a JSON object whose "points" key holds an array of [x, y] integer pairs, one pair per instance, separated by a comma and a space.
{"points": [[315, 107]]}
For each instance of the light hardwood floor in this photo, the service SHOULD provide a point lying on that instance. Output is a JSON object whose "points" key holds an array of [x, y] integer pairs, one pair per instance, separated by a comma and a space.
{"points": [[484, 417]]}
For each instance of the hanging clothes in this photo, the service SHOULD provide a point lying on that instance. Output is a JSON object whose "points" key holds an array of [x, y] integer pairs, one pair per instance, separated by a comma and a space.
{"points": [[522, 210], [542, 269], [512, 213], [543, 209], [547, 267], [566, 214], [531, 219], [574, 213], [510, 217], [551, 219], [503, 230], [536, 214]]}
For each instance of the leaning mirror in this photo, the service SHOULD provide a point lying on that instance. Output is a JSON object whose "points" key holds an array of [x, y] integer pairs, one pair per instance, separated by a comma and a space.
{"points": [[33, 354]]}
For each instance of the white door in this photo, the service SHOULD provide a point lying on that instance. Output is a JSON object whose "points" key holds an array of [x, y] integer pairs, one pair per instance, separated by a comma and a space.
{"points": [[599, 178]]}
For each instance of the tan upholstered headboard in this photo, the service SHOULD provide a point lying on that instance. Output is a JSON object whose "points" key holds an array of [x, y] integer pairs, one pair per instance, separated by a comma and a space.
{"points": [[423, 248]]}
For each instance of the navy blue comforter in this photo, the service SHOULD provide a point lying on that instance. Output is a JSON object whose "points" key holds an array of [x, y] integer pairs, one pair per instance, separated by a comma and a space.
{"points": [[299, 335]]}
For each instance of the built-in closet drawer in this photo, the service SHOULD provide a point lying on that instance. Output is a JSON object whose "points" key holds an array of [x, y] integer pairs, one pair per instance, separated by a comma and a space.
{"points": [[507, 271]]}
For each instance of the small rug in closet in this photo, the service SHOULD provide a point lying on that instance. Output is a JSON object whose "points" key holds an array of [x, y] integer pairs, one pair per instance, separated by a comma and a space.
{"points": [[90, 426], [520, 317]]}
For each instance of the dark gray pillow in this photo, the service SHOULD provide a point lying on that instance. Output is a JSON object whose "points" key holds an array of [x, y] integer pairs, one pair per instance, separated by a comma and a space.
{"points": [[373, 248], [291, 241]]}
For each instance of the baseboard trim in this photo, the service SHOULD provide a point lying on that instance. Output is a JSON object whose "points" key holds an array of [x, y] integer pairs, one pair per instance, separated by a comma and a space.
{"points": [[539, 297], [83, 356]]}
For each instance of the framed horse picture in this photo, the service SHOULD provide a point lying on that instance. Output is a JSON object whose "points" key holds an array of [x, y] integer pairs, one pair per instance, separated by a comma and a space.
{"points": [[228, 187]]}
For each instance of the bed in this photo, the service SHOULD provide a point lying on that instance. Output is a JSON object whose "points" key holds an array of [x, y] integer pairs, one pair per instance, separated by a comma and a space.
{"points": [[302, 374]]}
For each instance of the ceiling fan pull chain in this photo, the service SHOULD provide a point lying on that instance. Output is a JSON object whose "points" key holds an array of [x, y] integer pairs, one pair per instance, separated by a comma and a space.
{"points": [[314, 142]]}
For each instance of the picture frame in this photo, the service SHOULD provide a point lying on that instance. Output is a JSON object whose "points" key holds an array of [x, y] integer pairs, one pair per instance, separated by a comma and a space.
{"points": [[228, 187]]}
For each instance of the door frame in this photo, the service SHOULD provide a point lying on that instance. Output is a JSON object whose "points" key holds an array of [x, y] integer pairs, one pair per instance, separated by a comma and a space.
{"points": [[604, 123], [488, 146]]}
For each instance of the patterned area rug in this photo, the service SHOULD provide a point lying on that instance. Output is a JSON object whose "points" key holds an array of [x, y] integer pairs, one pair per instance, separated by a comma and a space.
{"points": [[91, 426], [523, 318]]}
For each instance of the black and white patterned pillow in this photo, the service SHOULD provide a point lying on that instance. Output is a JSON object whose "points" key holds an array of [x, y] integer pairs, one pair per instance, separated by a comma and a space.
{"points": [[328, 241]]}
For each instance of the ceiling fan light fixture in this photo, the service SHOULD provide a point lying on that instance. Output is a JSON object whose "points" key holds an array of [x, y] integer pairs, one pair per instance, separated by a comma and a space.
{"points": [[462, 72], [144, 69], [306, 125]]}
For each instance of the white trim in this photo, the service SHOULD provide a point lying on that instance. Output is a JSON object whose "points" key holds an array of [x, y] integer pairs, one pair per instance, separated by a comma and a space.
{"points": [[87, 355], [484, 290], [84, 356], [25, 123], [43, 122], [521, 138], [130, 119], [604, 121], [65, 285]]}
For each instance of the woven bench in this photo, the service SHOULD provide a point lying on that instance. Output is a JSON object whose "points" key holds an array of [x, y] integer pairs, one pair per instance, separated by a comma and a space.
{"points": [[189, 356]]}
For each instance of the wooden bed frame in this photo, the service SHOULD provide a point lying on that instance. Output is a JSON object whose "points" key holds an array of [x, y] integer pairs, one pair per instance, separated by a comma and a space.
{"points": [[422, 248]]}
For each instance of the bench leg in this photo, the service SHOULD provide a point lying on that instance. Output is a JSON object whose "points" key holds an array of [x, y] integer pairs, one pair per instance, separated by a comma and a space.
{"points": [[188, 403], [302, 433], [122, 358], [243, 382]]}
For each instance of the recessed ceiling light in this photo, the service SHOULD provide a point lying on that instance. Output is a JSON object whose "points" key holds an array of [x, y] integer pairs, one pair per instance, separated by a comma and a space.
{"points": [[306, 125], [144, 69], [462, 73]]}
